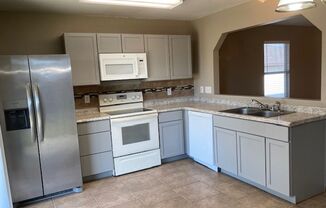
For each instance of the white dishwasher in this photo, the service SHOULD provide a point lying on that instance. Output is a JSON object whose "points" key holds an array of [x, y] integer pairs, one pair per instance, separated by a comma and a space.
{"points": [[201, 140]]}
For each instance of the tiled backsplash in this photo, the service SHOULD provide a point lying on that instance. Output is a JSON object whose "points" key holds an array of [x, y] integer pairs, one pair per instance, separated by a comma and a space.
{"points": [[151, 90]]}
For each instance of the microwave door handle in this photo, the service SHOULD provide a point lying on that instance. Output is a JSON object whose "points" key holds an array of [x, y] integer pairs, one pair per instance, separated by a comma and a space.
{"points": [[136, 69], [30, 110], [38, 108]]}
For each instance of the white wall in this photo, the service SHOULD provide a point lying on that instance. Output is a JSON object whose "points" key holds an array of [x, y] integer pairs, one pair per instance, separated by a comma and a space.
{"points": [[5, 198]]}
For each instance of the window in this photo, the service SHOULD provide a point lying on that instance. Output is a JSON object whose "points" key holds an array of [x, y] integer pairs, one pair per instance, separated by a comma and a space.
{"points": [[276, 69]]}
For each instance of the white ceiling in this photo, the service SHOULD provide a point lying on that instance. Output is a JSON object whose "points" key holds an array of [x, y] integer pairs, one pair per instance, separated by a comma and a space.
{"points": [[189, 10]]}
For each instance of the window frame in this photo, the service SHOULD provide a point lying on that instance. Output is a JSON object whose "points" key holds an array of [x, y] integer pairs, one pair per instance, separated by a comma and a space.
{"points": [[285, 72]]}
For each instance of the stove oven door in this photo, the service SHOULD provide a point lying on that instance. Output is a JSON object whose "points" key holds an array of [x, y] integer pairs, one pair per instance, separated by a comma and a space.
{"points": [[134, 134]]}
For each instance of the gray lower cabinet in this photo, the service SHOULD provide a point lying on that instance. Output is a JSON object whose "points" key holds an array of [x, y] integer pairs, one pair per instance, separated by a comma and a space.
{"points": [[95, 149], [226, 146], [251, 158], [278, 166], [285, 161], [171, 128], [172, 139]]}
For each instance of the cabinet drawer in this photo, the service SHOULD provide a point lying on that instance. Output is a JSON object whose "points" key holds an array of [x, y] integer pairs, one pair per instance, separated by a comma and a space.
{"points": [[252, 127], [170, 116], [93, 127], [94, 143], [96, 164]]}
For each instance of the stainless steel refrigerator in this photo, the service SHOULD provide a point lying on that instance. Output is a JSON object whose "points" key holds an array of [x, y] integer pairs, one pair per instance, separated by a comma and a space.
{"points": [[37, 117]]}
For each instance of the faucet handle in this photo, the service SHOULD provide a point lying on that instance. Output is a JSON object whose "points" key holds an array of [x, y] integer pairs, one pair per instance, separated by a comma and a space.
{"points": [[276, 106]]}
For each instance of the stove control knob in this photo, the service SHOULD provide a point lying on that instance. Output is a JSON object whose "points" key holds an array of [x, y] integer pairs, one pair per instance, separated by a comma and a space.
{"points": [[110, 100], [138, 97], [105, 100], [133, 97]]}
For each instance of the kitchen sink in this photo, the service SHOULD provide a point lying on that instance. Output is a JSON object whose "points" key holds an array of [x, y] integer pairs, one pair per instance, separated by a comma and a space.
{"points": [[257, 112]]}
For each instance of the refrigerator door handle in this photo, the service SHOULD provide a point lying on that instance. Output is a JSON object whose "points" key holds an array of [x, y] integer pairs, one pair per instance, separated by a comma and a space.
{"points": [[30, 110], [38, 109]]}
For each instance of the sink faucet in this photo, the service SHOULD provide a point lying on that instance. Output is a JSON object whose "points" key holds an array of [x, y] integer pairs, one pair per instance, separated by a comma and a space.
{"points": [[276, 106], [261, 105]]}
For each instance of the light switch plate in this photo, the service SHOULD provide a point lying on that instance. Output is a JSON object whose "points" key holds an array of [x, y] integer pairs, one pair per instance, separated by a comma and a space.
{"points": [[87, 99], [208, 90], [169, 91], [201, 89]]}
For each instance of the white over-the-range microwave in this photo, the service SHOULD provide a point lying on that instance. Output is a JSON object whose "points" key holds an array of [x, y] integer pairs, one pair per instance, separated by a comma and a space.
{"points": [[123, 66]]}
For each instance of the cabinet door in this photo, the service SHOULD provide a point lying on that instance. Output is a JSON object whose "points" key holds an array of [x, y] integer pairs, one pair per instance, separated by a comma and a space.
{"points": [[226, 142], [201, 141], [133, 43], [251, 158], [157, 49], [82, 49], [109, 43], [172, 139], [180, 57], [96, 164], [278, 166]]}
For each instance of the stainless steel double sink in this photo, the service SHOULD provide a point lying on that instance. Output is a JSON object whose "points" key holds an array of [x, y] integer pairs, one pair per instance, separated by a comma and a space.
{"points": [[251, 111]]}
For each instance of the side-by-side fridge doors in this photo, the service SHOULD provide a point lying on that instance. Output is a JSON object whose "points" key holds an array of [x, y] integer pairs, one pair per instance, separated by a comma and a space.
{"points": [[18, 128]]}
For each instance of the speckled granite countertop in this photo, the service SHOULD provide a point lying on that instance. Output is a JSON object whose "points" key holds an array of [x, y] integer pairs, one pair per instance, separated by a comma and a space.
{"points": [[289, 120], [89, 115]]}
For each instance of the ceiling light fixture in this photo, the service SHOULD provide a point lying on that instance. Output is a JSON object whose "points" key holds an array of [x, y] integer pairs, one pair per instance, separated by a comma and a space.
{"points": [[162, 4], [295, 5]]}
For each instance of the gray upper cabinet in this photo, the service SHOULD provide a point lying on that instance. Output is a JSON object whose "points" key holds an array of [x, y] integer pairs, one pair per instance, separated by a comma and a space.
{"points": [[157, 49], [278, 166], [82, 49], [172, 139], [109, 43], [133, 43], [226, 142], [251, 158], [180, 57]]}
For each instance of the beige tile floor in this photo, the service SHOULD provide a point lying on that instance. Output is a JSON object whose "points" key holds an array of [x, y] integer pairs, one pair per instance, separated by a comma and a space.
{"points": [[182, 184]]}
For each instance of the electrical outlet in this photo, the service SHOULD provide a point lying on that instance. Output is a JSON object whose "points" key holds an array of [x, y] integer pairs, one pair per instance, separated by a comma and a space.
{"points": [[201, 89], [169, 91], [208, 90], [87, 99]]}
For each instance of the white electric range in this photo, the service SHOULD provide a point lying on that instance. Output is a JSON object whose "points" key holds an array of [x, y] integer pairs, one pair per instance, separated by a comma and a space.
{"points": [[135, 137]]}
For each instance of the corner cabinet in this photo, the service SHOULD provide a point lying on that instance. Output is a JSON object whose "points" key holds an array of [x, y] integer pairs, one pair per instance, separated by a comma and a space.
{"points": [[201, 140], [82, 48], [285, 161], [171, 131], [180, 56], [169, 57]]}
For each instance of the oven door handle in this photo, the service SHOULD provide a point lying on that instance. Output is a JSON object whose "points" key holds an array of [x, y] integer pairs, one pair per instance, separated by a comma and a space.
{"points": [[134, 118]]}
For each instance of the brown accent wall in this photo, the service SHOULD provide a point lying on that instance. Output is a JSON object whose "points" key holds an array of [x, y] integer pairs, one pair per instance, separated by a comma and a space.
{"points": [[241, 60]]}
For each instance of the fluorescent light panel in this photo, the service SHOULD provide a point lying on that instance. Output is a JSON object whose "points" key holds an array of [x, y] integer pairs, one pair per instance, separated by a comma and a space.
{"points": [[295, 5], [162, 4]]}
